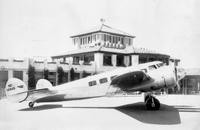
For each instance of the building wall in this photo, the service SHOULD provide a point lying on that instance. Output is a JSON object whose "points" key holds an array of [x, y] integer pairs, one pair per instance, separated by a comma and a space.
{"points": [[190, 84]]}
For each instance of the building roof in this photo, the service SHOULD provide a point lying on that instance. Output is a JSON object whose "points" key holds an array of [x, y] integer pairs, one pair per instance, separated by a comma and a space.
{"points": [[109, 50], [106, 29]]}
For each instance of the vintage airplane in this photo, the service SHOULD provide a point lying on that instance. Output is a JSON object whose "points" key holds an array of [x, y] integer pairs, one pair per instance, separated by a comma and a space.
{"points": [[146, 78]]}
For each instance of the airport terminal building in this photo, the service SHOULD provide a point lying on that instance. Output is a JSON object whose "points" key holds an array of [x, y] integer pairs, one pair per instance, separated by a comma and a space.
{"points": [[100, 49]]}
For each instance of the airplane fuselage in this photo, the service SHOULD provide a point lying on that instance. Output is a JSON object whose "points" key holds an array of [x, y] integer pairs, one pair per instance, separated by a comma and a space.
{"points": [[155, 76]]}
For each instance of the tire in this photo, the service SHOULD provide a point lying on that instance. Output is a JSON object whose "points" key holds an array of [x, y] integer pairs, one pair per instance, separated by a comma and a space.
{"points": [[152, 103], [31, 104]]}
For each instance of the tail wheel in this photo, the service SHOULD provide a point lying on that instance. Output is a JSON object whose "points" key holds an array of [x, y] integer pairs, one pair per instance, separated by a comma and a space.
{"points": [[152, 103], [31, 104]]}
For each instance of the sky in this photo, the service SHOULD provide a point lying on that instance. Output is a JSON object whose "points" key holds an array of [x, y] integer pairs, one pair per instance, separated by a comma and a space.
{"points": [[43, 27]]}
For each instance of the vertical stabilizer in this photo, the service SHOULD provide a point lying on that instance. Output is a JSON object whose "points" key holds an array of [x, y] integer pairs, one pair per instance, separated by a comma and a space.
{"points": [[16, 90]]}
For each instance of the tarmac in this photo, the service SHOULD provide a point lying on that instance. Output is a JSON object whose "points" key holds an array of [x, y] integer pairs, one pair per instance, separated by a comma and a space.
{"points": [[105, 113]]}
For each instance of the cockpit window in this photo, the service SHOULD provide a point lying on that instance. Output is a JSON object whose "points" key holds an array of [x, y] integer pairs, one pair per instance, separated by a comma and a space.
{"points": [[152, 67], [160, 64]]}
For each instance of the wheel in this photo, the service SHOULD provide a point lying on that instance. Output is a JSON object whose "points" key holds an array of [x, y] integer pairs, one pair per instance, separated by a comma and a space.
{"points": [[152, 103], [31, 104]]}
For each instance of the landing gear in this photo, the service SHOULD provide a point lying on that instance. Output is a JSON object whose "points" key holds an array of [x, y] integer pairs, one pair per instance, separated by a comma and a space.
{"points": [[31, 104], [151, 102]]}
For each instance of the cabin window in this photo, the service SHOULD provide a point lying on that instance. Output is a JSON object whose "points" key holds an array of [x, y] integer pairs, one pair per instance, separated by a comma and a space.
{"points": [[92, 83], [104, 80]]}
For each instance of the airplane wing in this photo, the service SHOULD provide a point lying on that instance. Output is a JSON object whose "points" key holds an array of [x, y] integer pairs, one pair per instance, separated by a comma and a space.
{"points": [[131, 80]]}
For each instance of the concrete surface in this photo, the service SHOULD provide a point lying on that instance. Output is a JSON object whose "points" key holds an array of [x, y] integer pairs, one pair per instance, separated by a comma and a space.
{"points": [[116, 113]]}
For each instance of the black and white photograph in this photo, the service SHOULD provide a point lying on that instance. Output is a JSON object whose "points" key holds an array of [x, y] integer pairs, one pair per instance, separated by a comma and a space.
{"points": [[99, 65]]}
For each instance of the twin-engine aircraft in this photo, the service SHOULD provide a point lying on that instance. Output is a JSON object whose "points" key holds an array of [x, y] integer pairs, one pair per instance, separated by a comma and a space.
{"points": [[146, 78]]}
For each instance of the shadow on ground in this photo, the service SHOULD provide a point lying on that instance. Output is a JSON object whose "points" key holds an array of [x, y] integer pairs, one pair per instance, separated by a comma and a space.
{"points": [[167, 115], [42, 107]]}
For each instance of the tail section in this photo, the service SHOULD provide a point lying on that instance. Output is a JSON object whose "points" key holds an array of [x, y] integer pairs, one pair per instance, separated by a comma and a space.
{"points": [[16, 90]]}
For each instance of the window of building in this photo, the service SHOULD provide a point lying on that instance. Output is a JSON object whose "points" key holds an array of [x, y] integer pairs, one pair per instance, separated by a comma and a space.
{"points": [[92, 83], [110, 39], [129, 41], [104, 37], [114, 39], [107, 38], [118, 39], [89, 39], [81, 41], [130, 60], [142, 59], [152, 59], [104, 80], [97, 37], [88, 58], [76, 60], [3, 78], [120, 60], [18, 74], [93, 38], [85, 74], [85, 40], [107, 60], [76, 76], [74, 40], [39, 75], [122, 40]]}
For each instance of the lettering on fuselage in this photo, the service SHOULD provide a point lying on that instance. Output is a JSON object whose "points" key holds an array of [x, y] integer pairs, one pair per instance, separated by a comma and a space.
{"points": [[10, 89], [9, 85], [20, 86]]}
